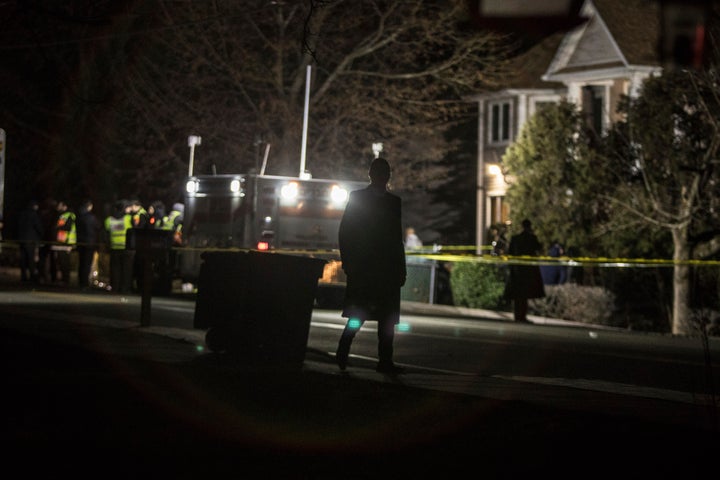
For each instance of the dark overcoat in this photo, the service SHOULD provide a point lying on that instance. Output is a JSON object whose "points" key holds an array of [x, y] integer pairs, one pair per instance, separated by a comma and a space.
{"points": [[525, 280], [372, 255], [30, 228], [88, 227]]}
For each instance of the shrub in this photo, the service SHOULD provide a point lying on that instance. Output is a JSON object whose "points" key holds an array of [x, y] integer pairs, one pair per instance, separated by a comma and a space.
{"points": [[575, 302], [477, 285]]}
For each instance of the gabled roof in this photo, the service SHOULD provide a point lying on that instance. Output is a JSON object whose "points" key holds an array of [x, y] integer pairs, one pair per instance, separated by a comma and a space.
{"points": [[525, 69], [619, 34], [529, 66], [635, 26]]}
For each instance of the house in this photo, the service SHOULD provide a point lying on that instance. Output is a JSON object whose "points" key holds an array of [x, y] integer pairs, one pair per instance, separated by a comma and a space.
{"points": [[593, 65]]}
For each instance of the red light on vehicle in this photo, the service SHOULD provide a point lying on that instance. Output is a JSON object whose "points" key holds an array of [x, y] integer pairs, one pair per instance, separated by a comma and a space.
{"points": [[263, 246]]}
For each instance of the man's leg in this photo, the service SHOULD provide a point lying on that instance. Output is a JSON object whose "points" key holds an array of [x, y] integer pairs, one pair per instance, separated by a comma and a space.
{"points": [[521, 309], [25, 262], [343, 351], [386, 336]]}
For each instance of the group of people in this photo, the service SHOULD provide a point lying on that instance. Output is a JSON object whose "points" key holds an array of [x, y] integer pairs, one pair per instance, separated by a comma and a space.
{"points": [[49, 236], [124, 265]]}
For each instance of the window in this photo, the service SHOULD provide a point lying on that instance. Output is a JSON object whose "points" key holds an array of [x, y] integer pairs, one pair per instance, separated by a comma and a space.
{"points": [[500, 122], [593, 107]]}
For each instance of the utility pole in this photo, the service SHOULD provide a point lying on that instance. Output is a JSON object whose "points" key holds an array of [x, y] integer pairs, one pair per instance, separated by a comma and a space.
{"points": [[303, 151], [192, 141]]}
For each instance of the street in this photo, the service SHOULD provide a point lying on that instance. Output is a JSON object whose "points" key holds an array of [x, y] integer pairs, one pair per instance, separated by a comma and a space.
{"points": [[85, 377], [573, 355]]}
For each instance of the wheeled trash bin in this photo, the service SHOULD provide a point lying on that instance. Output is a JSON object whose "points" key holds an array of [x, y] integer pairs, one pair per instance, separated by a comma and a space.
{"points": [[257, 305]]}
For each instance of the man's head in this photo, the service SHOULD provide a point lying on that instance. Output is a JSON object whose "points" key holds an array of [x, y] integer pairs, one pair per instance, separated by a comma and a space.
{"points": [[526, 224], [379, 172], [121, 207]]}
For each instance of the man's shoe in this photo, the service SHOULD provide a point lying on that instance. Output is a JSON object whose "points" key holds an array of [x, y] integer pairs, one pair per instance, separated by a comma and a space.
{"points": [[390, 369]]}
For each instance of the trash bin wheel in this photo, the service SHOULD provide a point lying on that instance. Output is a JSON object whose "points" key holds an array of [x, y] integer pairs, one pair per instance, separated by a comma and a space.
{"points": [[216, 339]]}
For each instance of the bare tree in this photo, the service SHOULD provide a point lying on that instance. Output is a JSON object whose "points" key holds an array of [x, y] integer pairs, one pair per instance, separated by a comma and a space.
{"points": [[235, 73], [665, 158], [102, 96]]}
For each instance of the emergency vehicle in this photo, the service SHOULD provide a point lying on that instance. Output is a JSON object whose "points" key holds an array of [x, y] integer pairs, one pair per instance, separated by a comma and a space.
{"points": [[265, 212]]}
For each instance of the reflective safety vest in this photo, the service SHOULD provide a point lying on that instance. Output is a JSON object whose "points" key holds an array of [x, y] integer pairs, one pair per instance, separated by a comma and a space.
{"points": [[168, 222], [117, 228], [141, 218], [66, 231]]}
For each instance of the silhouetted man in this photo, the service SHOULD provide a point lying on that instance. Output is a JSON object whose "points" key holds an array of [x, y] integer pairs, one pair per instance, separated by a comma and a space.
{"points": [[373, 258], [30, 232], [525, 280], [88, 229]]}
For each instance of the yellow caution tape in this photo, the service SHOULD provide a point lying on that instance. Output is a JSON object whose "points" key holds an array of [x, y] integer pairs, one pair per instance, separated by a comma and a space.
{"points": [[571, 261], [449, 253], [436, 253]]}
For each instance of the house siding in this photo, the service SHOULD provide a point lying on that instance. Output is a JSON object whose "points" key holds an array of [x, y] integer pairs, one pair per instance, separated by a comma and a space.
{"points": [[613, 54]]}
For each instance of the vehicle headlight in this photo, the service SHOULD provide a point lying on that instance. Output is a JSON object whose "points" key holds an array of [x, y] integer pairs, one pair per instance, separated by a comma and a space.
{"points": [[338, 194], [191, 186], [290, 190]]}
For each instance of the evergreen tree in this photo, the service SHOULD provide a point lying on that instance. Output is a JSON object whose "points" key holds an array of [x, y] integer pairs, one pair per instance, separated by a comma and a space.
{"points": [[553, 182]]}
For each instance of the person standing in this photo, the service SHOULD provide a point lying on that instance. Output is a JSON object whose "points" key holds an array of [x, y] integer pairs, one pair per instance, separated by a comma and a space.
{"points": [[66, 239], [373, 258], [116, 227], [412, 241], [88, 229], [140, 219], [30, 233], [525, 281], [173, 221], [554, 274], [156, 214], [498, 240], [140, 216], [47, 263]]}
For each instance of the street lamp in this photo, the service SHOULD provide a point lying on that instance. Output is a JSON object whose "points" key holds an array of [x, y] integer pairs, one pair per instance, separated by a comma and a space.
{"points": [[377, 148], [192, 141]]}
